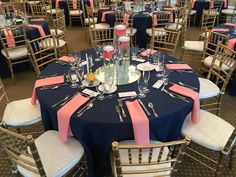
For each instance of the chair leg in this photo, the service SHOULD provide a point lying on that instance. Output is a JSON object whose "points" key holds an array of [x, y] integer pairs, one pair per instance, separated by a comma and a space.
{"points": [[232, 157], [182, 54], [11, 70], [220, 165]]}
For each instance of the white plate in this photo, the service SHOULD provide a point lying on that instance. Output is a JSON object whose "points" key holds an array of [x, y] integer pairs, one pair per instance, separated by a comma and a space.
{"points": [[107, 91], [86, 83], [145, 66]]}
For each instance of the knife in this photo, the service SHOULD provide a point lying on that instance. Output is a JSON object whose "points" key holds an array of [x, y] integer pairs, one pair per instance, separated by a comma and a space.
{"points": [[145, 109]]}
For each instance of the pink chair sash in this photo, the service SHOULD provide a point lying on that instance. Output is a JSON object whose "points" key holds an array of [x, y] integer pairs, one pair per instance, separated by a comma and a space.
{"points": [[40, 29], [57, 3], [193, 3], [104, 15], [45, 82], [126, 19], [74, 4], [9, 38], [140, 122], [230, 24], [64, 114], [177, 66], [230, 45], [155, 21], [91, 4], [192, 94]]}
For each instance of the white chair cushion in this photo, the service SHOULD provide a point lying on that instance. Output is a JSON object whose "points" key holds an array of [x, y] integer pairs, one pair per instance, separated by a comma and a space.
{"points": [[156, 33], [204, 34], [53, 32], [208, 89], [21, 113], [194, 45], [128, 31], [86, 21], [174, 27], [75, 12], [193, 12], [33, 2], [208, 60], [211, 131], [49, 42], [100, 26], [180, 20], [57, 157], [54, 11], [16, 53], [125, 158], [228, 11]]}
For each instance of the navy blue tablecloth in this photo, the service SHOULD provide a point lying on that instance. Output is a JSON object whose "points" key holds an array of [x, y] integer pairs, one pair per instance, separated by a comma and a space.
{"points": [[32, 33], [100, 126]]}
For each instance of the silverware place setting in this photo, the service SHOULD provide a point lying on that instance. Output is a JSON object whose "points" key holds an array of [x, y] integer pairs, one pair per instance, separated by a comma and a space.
{"points": [[150, 105], [144, 107], [119, 113], [88, 106], [122, 108], [174, 95], [62, 100]]}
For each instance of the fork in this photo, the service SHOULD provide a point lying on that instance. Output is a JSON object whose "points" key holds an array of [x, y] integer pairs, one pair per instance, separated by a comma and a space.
{"points": [[176, 96], [64, 99], [118, 111], [122, 108]]}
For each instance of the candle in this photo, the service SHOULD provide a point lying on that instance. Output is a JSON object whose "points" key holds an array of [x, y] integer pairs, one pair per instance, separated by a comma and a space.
{"points": [[87, 62]]}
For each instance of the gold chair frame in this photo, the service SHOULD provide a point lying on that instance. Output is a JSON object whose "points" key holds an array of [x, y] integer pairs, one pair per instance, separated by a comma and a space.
{"points": [[100, 36], [75, 17]]}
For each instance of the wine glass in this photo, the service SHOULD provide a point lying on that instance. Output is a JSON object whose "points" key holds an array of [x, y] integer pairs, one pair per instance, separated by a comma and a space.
{"points": [[98, 52], [141, 88], [73, 78], [146, 77], [134, 51], [160, 63], [80, 73], [100, 89], [72, 63]]}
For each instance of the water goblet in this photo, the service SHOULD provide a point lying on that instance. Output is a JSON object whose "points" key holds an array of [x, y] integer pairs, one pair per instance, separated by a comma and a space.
{"points": [[110, 83], [100, 89], [146, 77], [73, 78], [141, 88], [160, 63]]}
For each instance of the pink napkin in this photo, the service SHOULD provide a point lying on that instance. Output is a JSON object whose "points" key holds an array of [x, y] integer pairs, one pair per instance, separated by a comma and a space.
{"points": [[37, 19], [91, 4], [126, 19], [9, 38], [230, 45], [64, 114], [104, 8], [147, 52], [104, 15], [74, 4], [192, 94], [220, 30], [40, 29], [155, 21], [140, 122], [45, 82], [67, 59], [230, 24], [177, 66]]}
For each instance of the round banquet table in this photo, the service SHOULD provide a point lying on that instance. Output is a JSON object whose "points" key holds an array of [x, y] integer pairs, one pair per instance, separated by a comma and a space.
{"points": [[141, 22], [100, 126], [31, 33]]}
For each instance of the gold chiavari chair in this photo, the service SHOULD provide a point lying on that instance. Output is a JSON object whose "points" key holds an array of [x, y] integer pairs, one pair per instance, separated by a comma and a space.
{"points": [[75, 12], [207, 22], [218, 5], [29, 157], [155, 159], [53, 13], [229, 12], [43, 51], [20, 5], [87, 19], [166, 43], [39, 10], [220, 71], [100, 36], [14, 47], [130, 30], [192, 13], [210, 48], [18, 113]]}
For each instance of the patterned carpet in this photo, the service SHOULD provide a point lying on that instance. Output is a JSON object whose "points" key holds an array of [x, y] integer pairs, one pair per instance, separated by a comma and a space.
{"points": [[77, 41]]}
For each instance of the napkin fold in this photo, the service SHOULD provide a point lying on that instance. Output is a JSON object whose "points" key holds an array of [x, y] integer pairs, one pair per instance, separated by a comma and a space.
{"points": [[74, 4], [64, 114], [9, 38], [67, 59], [220, 30], [40, 29], [140, 122], [192, 94], [104, 15], [177, 66], [45, 82], [230, 24], [147, 52], [126, 19], [230, 45]]}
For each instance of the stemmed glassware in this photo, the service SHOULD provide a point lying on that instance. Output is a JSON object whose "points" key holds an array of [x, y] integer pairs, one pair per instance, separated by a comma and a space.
{"points": [[160, 63], [73, 78], [141, 87], [146, 77], [80, 73], [100, 89], [134, 52], [98, 52], [110, 83]]}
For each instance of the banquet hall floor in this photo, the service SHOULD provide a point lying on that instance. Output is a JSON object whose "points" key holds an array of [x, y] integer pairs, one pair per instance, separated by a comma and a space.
{"points": [[77, 41]]}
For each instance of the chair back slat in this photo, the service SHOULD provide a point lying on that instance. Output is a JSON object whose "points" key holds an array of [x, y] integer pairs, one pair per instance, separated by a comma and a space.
{"points": [[21, 151], [39, 10], [208, 20], [158, 157], [100, 36]]}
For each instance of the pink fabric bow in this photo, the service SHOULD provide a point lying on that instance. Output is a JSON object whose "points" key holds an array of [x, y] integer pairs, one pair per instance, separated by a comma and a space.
{"points": [[230, 45], [147, 52], [67, 59], [9, 38], [74, 4], [192, 94], [64, 114], [177, 66], [155, 21], [91, 4], [126, 19], [40, 29], [45, 82], [140, 122], [104, 15]]}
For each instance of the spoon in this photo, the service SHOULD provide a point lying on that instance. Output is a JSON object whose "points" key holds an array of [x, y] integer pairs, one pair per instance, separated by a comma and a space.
{"points": [[189, 86], [150, 105], [87, 108]]}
